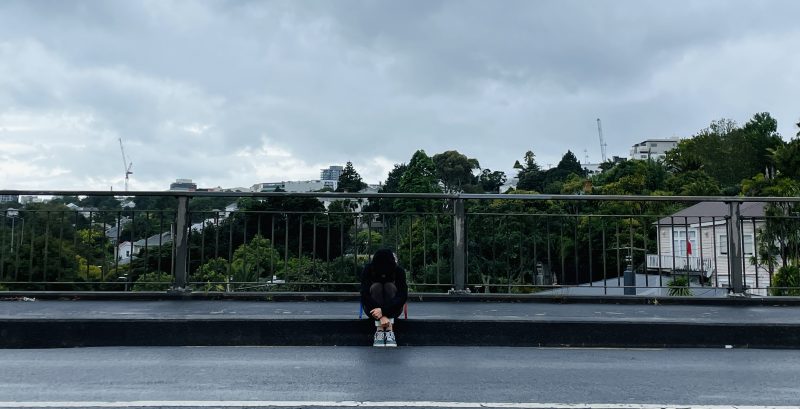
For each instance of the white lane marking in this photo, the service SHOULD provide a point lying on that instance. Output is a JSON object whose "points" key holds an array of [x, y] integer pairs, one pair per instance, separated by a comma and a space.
{"points": [[356, 404]]}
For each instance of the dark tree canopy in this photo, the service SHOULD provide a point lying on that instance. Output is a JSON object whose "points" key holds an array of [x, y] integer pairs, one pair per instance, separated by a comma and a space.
{"points": [[491, 181], [454, 170], [727, 152], [420, 176], [530, 176], [350, 180]]}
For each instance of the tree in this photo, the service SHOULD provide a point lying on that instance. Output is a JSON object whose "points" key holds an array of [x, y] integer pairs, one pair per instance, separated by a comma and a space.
{"points": [[798, 132], [786, 159], [350, 180], [727, 152], [454, 170], [393, 180], [491, 181], [693, 183], [569, 164], [529, 176], [254, 261], [420, 176]]}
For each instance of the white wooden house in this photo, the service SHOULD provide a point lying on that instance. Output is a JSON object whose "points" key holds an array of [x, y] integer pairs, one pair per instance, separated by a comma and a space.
{"points": [[695, 241], [126, 251]]}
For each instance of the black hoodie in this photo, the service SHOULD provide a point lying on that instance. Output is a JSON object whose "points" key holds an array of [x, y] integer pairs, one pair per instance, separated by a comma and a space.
{"points": [[384, 269]]}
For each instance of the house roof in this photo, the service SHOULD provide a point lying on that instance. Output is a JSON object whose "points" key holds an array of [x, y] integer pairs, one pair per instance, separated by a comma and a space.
{"points": [[707, 212], [153, 241]]}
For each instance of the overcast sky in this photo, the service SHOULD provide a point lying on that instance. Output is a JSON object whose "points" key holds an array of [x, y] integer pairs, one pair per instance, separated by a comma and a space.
{"points": [[233, 93]]}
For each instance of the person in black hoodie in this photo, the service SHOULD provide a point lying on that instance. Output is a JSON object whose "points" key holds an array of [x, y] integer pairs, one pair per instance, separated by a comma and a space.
{"points": [[383, 294]]}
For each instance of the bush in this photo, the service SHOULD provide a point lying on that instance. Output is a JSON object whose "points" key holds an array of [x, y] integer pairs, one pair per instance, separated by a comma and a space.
{"points": [[788, 276], [154, 281], [679, 286], [212, 275]]}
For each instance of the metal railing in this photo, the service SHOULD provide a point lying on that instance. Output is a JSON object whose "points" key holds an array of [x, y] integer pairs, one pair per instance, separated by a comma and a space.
{"points": [[458, 243]]}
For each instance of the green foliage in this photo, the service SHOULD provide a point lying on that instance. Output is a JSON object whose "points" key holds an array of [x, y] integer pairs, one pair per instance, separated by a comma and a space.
{"points": [[153, 281], [633, 177], [212, 275], [530, 176], [693, 183], [780, 236], [760, 185], [254, 260], [786, 281], [728, 153], [419, 177], [350, 180], [454, 170], [786, 159], [551, 181], [368, 242], [679, 286], [393, 180], [155, 203], [491, 182]]}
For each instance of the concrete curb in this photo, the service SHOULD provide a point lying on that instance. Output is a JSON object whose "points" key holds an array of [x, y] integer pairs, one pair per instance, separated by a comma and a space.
{"points": [[60, 333]]}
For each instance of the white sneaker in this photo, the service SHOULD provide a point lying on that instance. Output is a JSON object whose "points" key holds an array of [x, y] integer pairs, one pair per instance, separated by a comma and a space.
{"points": [[380, 339], [390, 339]]}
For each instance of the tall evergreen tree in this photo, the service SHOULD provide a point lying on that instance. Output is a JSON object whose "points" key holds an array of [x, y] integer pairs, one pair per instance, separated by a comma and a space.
{"points": [[530, 175], [350, 180]]}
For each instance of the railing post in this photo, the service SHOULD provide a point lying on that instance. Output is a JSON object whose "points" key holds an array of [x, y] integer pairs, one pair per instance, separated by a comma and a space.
{"points": [[735, 249], [181, 246], [459, 247]]}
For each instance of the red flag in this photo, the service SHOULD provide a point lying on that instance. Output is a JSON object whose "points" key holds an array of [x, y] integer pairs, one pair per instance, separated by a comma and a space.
{"points": [[688, 247]]}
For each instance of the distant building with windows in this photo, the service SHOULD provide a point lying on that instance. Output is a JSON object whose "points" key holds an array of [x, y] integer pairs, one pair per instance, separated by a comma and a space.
{"points": [[655, 149], [183, 185], [332, 173], [9, 198], [295, 186]]}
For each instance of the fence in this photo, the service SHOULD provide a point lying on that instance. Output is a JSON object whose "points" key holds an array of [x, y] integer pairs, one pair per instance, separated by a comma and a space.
{"points": [[277, 241]]}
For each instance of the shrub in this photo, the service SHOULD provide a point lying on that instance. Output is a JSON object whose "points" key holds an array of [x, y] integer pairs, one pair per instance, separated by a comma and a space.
{"points": [[788, 276], [212, 275], [679, 286], [154, 281]]}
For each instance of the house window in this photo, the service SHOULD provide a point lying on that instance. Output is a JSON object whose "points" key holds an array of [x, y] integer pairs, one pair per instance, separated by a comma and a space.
{"points": [[643, 156], [679, 242], [747, 243], [653, 145]]}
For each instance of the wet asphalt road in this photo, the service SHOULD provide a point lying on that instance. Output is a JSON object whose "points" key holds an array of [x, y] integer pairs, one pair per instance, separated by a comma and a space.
{"points": [[621, 376]]}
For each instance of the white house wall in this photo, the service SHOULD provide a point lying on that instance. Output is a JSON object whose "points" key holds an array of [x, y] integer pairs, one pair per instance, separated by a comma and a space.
{"points": [[709, 246]]}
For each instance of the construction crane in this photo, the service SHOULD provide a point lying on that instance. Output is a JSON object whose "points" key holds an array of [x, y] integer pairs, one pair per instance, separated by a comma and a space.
{"points": [[602, 142], [125, 164]]}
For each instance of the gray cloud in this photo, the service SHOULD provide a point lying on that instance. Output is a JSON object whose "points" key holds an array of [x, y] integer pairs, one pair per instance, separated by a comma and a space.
{"points": [[233, 93]]}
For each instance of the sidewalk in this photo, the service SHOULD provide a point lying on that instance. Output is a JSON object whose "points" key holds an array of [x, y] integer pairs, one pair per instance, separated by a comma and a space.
{"points": [[51, 323]]}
